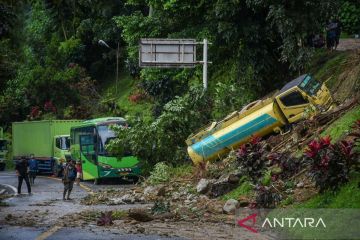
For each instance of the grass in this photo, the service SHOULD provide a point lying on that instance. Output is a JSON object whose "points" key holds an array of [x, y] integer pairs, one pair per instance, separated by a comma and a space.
{"points": [[343, 125], [348, 196], [244, 189], [118, 214], [181, 171], [125, 88], [328, 64]]}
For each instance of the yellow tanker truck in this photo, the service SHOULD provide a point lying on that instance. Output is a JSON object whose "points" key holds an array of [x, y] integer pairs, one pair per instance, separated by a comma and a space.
{"points": [[259, 118]]}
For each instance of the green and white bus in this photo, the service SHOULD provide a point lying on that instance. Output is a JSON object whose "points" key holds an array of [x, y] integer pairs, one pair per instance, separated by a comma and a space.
{"points": [[88, 141]]}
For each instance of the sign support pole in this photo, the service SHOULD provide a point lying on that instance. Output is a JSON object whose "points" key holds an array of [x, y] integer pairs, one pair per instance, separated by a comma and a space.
{"points": [[205, 64]]}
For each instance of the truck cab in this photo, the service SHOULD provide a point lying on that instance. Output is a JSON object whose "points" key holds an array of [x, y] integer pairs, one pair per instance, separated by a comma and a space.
{"points": [[3, 150], [302, 93], [61, 151], [3, 153]]}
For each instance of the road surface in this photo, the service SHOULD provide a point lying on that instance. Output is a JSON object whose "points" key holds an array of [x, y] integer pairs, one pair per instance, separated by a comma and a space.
{"points": [[43, 214]]}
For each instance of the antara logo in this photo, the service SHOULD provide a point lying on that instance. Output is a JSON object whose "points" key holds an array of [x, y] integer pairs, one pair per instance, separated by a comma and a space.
{"points": [[251, 217], [281, 222]]}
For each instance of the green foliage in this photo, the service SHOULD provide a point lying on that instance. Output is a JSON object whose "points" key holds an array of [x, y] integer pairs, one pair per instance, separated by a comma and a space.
{"points": [[266, 180], [243, 189], [287, 201], [330, 164], [160, 174], [230, 94], [160, 207], [55, 57], [165, 137], [71, 49], [37, 29], [349, 14], [137, 26], [181, 171], [251, 159]]}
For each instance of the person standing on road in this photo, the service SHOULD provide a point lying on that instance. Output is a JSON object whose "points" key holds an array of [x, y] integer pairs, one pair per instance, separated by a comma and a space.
{"points": [[22, 169], [78, 172], [337, 31], [33, 169], [68, 179], [331, 35]]}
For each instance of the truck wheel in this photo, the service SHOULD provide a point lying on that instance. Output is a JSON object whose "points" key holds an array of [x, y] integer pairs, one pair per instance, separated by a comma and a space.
{"points": [[2, 166], [55, 170]]}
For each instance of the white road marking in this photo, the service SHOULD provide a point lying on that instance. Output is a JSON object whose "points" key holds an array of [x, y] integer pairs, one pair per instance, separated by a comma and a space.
{"points": [[12, 187]]}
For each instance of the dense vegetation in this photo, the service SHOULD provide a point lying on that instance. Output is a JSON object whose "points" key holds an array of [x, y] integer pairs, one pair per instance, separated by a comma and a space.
{"points": [[51, 65]]}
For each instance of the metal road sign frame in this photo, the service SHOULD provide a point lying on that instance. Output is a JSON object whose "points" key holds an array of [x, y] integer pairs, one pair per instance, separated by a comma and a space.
{"points": [[172, 53], [167, 53]]}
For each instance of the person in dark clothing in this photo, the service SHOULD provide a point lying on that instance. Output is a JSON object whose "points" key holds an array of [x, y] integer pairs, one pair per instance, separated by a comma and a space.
{"points": [[68, 179], [337, 32], [331, 31], [22, 169], [33, 169]]}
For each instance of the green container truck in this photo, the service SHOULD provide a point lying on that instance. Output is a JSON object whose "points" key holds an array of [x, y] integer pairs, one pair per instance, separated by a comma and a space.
{"points": [[48, 141], [3, 150]]}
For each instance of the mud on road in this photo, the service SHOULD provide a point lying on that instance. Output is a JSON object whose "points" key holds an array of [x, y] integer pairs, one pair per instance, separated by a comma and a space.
{"points": [[44, 215]]}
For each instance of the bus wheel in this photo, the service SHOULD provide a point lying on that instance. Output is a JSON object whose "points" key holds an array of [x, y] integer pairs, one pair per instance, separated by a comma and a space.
{"points": [[135, 179], [2, 166], [96, 181]]}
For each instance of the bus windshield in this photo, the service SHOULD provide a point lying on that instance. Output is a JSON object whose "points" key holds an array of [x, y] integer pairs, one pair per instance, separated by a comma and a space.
{"points": [[3, 144], [106, 134], [310, 85]]}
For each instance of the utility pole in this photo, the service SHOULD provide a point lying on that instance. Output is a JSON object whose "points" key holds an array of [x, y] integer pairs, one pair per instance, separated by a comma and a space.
{"points": [[117, 50], [117, 68]]}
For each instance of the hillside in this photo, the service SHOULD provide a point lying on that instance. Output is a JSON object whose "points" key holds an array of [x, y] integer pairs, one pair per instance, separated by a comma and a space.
{"points": [[210, 193]]}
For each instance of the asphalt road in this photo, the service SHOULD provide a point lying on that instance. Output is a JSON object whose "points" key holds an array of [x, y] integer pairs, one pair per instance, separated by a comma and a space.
{"points": [[46, 206]]}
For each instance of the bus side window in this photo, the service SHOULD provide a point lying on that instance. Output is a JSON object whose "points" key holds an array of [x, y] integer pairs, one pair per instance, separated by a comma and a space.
{"points": [[293, 99]]}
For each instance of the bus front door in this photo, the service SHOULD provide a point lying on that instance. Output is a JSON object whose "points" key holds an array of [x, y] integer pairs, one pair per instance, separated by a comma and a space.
{"points": [[88, 157]]}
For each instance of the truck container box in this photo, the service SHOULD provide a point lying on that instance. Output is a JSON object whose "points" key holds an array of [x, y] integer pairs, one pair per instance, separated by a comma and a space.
{"points": [[37, 138]]}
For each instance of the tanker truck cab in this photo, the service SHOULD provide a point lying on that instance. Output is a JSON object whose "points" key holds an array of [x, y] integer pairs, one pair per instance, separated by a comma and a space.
{"points": [[301, 93]]}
